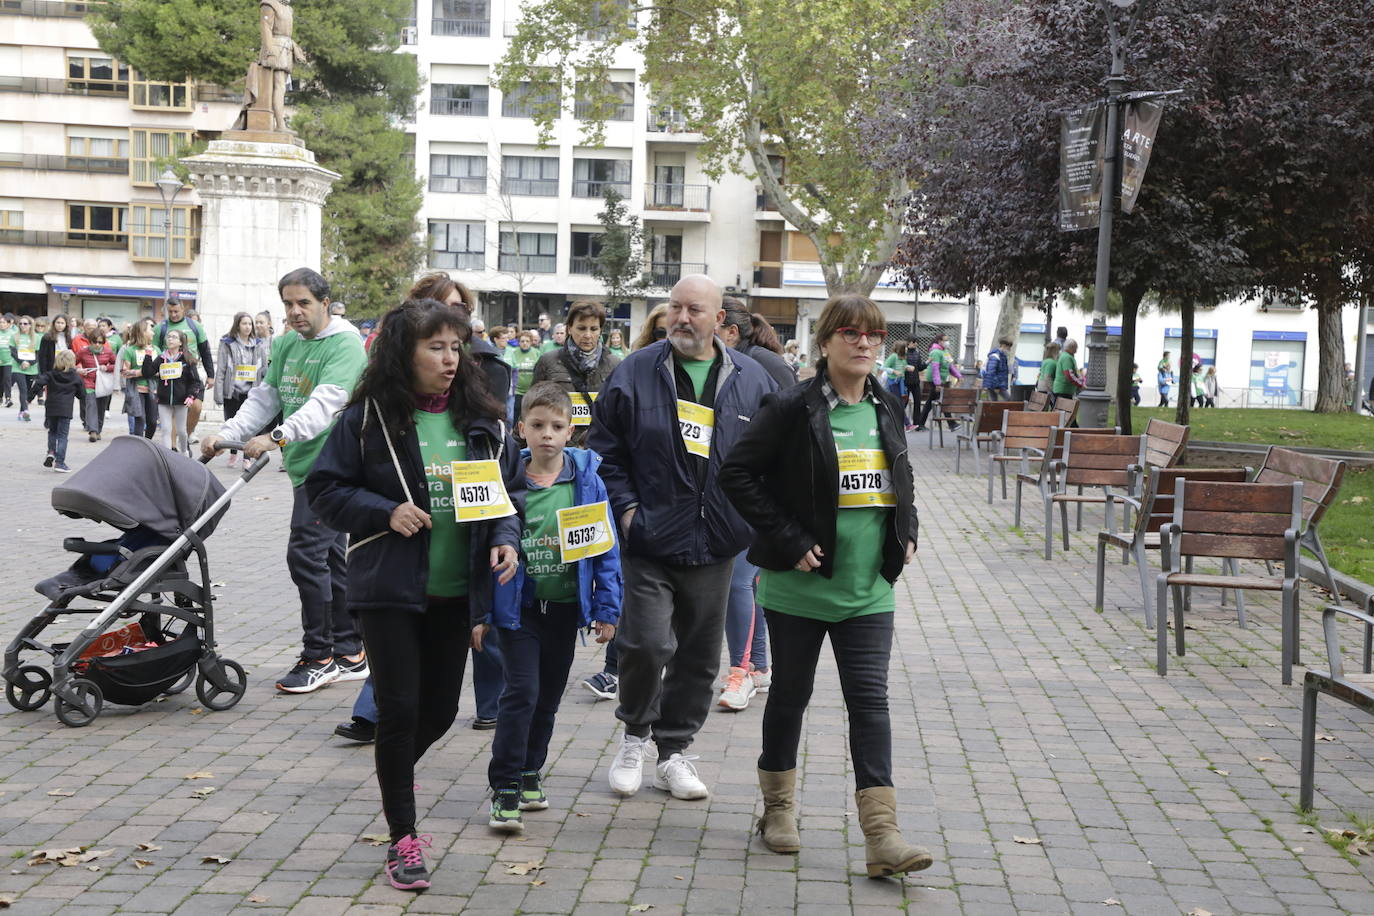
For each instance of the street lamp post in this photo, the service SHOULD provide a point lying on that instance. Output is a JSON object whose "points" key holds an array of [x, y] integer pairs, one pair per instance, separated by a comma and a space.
{"points": [[168, 185], [971, 334]]}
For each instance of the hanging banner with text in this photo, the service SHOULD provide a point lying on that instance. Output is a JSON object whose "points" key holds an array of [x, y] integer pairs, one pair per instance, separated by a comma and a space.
{"points": [[1081, 135], [1137, 140]]}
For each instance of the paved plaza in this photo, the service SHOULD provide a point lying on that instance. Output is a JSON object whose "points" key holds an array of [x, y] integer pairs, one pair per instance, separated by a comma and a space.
{"points": [[1036, 750]]}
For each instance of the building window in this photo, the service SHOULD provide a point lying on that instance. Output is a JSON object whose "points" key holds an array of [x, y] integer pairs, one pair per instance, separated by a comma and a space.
{"points": [[621, 107], [457, 246], [100, 225], [464, 18], [607, 17], [11, 226], [89, 74], [586, 248], [458, 99], [522, 101], [98, 147], [591, 177], [529, 252], [151, 145], [529, 176], [148, 233], [458, 174], [155, 95]]}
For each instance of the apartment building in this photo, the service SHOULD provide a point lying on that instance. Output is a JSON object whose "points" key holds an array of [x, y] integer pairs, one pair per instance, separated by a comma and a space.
{"points": [[83, 228]]}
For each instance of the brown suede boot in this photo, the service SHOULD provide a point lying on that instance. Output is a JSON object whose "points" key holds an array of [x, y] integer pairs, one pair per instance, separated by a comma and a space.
{"points": [[885, 851], [778, 826]]}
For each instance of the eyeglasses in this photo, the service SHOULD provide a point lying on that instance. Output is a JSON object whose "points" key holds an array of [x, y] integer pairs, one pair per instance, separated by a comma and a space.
{"points": [[852, 335]]}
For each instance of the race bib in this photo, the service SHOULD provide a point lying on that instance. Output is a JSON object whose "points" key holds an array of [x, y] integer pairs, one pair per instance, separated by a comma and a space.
{"points": [[27, 356], [245, 373], [478, 492], [582, 407], [865, 479], [169, 371], [585, 531], [697, 424]]}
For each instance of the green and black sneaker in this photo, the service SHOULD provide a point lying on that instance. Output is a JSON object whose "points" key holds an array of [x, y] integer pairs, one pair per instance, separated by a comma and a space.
{"points": [[532, 797], [505, 809]]}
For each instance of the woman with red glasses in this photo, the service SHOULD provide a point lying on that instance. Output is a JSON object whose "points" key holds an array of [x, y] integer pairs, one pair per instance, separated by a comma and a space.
{"points": [[823, 477]]}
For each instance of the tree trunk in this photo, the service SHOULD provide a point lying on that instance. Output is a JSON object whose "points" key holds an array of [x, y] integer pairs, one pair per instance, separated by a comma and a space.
{"points": [[1009, 327], [1330, 357], [1130, 309], [1185, 365], [520, 308]]}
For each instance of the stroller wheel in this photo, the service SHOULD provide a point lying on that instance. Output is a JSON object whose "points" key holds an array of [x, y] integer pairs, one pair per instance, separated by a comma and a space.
{"points": [[221, 696], [91, 701], [182, 684], [30, 689]]}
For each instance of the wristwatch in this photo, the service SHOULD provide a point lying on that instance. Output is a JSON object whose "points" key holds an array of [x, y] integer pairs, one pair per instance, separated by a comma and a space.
{"points": [[278, 435]]}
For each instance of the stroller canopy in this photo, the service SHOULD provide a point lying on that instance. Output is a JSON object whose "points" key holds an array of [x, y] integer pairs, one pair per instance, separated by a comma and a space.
{"points": [[133, 482]]}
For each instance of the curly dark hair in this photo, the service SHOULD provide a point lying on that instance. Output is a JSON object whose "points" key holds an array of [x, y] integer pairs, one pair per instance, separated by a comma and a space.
{"points": [[389, 379]]}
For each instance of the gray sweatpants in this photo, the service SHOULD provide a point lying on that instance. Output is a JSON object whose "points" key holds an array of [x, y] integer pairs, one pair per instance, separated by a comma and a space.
{"points": [[672, 622]]}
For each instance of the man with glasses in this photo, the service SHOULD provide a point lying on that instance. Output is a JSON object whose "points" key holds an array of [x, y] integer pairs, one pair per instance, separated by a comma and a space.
{"points": [[664, 422]]}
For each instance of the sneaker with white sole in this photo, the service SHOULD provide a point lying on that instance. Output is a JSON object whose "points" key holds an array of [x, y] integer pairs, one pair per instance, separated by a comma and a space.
{"points": [[307, 675], [627, 769], [678, 776], [603, 684], [762, 679], [352, 669], [739, 687]]}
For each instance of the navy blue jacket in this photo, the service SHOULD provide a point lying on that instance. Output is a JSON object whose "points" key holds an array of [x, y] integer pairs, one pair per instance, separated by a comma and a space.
{"points": [[995, 370], [599, 583], [646, 467], [354, 487]]}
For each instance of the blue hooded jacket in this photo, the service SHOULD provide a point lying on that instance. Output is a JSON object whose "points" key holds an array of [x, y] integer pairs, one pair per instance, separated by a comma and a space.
{"points": [[599, 584], [995, 370]]}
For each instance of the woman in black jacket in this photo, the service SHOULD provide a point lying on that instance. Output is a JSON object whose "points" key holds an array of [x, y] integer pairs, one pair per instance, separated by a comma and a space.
{"points": [[823, 476], [420, 573], [581, 366]]}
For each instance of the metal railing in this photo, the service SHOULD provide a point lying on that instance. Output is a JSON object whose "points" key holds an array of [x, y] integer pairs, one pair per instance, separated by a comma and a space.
{"points": [[530, 187], [597, 189], [581, 264], [457, 260], [462, 28], [514, 106], [529, 263], [665, 120], [105, 164], [667, 273], [450, 185], [76, 238], [625, 111], [473, 108], [39, 85], [659, 196], [52, 9]]}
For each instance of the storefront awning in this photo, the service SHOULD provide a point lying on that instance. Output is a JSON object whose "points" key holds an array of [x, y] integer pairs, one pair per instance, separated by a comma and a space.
{"points": [[13, 284], [125, 287]]}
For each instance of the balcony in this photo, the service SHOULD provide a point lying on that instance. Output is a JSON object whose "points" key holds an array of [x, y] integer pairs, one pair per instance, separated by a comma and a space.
{"points": [[461, 28], [457, 260], [530, 187], [101, 164], [665, 120], [471, 108], [681, 197], [584, 110], [597, 189], [51, 9], [666, 273], [761, 202], [529, 263], [40, 85], [581, 264], [449, 185], [76, 238]]}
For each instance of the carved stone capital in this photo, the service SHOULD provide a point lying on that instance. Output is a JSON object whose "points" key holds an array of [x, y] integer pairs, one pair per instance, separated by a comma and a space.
{"points": [[246, 169]]}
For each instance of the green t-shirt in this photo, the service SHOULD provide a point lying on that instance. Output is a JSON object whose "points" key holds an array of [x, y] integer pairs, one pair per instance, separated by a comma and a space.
{"points": [[554, 580], [524, 361], [115, 341], [942, 359], [27, 343], [548, 345], [440, 444], [857, 586], [1048, 368], [6, 341], [698, 370], [189, 338], [130, 357], [893, 367], [297, 367], [1062, 383], [617, 352]]}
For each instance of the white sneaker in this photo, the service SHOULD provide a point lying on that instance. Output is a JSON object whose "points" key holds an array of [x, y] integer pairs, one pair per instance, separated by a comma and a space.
{"points": [[762, 679], [676, 775], [739, 687], [627, 769]]}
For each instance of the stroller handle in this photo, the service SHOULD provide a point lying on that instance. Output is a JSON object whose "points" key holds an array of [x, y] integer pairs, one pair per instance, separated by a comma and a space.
{"points": [[250, 470]]}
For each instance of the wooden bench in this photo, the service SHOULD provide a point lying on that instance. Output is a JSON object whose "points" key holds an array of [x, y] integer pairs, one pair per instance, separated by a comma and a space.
{"points": [[1093, 461], [955, 407], [1240, 521], [1069, 407], [1355, 689], [1038, 401], [1021, 430], [1321, 479], [1165, 443], [1153, 510], [986, 420], [1052, 450]]}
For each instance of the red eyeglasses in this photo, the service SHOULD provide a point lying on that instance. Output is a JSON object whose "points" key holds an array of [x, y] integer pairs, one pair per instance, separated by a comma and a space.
{"points": [[852, 335]]}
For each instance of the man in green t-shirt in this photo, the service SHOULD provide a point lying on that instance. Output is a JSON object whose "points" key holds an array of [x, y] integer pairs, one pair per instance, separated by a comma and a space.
{"points": [[310, 377], [555, 340], [1066, 376], [194, 338]]}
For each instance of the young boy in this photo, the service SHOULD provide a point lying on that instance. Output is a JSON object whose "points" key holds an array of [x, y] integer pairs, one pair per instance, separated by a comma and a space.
{"points": [[64, 387], [538, 616]]}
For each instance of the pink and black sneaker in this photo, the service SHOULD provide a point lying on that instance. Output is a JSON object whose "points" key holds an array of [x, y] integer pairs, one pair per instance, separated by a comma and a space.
{"points": [[405, 863]]}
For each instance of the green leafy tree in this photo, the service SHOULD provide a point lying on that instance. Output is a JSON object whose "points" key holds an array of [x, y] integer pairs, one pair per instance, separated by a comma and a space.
{"points": [[756, 78], [349, 99], [619, 264]]}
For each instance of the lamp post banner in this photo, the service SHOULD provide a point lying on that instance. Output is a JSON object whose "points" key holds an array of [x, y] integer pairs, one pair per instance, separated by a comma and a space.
{"points": [[1081, 135], [1137, 140]]}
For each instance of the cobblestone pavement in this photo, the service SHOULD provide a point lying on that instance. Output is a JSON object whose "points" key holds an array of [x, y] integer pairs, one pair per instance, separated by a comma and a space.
{"points": [[1019, 714]]}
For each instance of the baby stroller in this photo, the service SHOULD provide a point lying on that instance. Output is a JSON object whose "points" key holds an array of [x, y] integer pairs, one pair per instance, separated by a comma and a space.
{"points": [[166, 505]]}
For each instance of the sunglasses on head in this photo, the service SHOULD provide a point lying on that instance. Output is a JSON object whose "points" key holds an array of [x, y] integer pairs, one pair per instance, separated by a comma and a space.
{"points": [[852, 335]]}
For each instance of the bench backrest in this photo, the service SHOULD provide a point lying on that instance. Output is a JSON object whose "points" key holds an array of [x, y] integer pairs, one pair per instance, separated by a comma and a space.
{"points": [[1164, 443], [1242, 520], [1027, 429], [1321, 478], [958, 401], [1157, 505], [1098, 460], [988, 417], [1038, 401], [1068, 407]]}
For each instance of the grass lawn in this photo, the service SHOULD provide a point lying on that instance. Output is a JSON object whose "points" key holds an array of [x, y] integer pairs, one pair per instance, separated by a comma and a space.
{"points": [[1348, 529]]}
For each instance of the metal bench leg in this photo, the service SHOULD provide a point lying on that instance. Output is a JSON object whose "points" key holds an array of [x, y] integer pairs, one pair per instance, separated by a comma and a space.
{"points": [[1178, 620], [1161, 626], [1101, 572], [1290, 609], [1309, 746], [1078, 521], [1049, 528], [1143, 569], [992, 466], [1368, 639], [1064, 521], [1004, 480], [1313, 542], [1239, 594], [977, 456]]}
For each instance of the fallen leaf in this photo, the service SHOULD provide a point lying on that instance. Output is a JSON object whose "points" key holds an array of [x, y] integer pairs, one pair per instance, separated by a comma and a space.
{"points": [[148, 847], [74, 855], [63, 793], [1326, 737], [1116, 668], [580, 814], [214, 860], [197, 711], [376, 839], [92, 868], [1271, 725], [1296, 849], [1199, 912], [537, 882], [1028, 840], [257, 898], [1111, 901], [6, 902], [202, 774], [258, 499], [523, 868], [641, 907], [678, 878], [1357, 499], [141, 864], [1265, 759], [1223, 772], [202, 793]]}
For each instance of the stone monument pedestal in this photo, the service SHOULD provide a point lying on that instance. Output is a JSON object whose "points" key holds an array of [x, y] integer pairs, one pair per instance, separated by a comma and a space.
{"points": [[261, 196]]}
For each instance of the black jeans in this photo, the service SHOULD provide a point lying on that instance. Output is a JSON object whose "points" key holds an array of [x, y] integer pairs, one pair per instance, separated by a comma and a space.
{"points": [[315, 559], [417, 663], [538, 657], [6, 382], [146, 425], [862, 647]]}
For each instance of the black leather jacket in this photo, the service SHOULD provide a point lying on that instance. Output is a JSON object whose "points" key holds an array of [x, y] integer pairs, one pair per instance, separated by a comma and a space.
{"points": [[783, 476]]}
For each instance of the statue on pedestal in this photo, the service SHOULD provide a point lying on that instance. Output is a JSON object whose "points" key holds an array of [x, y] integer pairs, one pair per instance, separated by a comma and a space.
{"points": [[264, 107]]}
